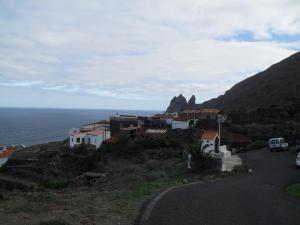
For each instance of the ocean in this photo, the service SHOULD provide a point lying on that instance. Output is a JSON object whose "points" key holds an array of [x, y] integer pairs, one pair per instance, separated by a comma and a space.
{"points": [[36, 126]]}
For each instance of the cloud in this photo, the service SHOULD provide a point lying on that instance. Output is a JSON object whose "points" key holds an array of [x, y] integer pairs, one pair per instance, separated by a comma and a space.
{"points": [[24, 83], [135, 51]]}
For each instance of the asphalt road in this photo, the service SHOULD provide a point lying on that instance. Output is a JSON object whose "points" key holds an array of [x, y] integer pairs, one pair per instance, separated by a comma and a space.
{"points": [[254, 199]]}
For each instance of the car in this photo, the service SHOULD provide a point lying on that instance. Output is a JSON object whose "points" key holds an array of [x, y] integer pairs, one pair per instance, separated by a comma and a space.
{"points": [[298, 160], [278, 144]]}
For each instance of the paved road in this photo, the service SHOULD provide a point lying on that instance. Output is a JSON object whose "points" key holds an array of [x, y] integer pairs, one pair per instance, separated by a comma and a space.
{"points": [[255, 199]]}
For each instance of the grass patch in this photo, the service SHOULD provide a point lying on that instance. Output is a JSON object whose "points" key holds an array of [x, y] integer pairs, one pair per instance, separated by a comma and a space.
{"points": [[147, 188], [294, 190], [131, 199]]}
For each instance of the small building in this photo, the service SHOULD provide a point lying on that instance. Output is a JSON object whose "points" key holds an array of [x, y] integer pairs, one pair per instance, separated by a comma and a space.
{"points": [[122, 121], [101, 125], [211, 114], [92, 137], [190, 114], [180, 124], [210, 144], [5, 153], [209, 141], [151, 122], [167, 118]]}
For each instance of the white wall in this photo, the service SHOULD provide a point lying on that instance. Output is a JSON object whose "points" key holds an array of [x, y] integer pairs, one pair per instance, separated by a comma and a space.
{"points": [[73, 140], [169, 121], [97, 140], [210, 143], [180, 124], [3, 161]]}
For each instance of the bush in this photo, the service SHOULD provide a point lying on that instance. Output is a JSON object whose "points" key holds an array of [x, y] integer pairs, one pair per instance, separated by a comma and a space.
{"points": [[125, 147], [152, 164], [92, 160], [256, 145], [200, 162], [294, 190], [53, 222], [239, 169], [50, 184]]}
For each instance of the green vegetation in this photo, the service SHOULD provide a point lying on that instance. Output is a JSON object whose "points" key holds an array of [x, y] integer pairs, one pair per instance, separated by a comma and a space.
{"points": [[257, 145], [51, 184], [148, 188], [139, 193], [294, 190], [200, 162], [125, 147], [53, 222], [239, 169]]}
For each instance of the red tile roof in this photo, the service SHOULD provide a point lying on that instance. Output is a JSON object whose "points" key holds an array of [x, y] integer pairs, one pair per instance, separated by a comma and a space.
{"points": [[209, 135], [96, 132], [210, 110], [6, 153]]}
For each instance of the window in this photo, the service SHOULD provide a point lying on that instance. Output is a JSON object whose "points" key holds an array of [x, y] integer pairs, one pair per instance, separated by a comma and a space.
{"points": [[78, 140]]}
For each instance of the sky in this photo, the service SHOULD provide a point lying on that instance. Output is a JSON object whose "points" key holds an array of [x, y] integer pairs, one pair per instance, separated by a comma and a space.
{"points": [[137, 54]]}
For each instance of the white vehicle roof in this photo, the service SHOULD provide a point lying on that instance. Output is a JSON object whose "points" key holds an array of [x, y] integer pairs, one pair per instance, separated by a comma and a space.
{"points": [[271, 139]]}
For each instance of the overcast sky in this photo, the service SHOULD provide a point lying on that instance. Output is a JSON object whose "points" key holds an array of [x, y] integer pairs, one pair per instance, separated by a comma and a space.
{"points": [[137, 54]]}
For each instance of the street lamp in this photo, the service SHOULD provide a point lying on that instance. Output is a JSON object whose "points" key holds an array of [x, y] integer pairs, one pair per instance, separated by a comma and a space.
{"points": [[219, 123]]}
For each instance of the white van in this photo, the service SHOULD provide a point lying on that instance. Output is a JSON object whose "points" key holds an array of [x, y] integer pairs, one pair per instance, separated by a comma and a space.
{"points": [[278, 144]]}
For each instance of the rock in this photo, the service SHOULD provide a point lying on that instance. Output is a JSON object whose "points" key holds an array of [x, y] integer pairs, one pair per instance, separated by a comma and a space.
{"points": [[276, 86], [177, 104], [192, 101], [92, 175], [185, 181]]}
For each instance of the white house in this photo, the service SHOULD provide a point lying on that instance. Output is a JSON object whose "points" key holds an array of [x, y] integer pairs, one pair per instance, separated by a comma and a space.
{"points": [[180, 124], [96, 137], [5, 153], [93, 137], [210, 144]]}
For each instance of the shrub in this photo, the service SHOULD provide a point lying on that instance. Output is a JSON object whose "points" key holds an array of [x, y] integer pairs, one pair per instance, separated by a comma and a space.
{"points": [[53, 222], [239, 169], [123, 147], [152, 164], [51, 184], [256, 145], [294, 190], [200, 162]]}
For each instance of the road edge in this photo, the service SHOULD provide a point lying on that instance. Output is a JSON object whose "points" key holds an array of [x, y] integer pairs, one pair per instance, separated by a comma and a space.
{"points": [[148, 206]]}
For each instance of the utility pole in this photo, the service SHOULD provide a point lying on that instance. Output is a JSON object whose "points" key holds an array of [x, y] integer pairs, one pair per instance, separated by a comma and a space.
{"points": [[194, 116], [219, 122]]}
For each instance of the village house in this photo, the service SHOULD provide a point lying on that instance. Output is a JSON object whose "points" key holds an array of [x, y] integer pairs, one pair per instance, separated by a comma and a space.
{"points": [[151, 122], [101, 125], [91, 137], [122, 121], [180, 123], [210, 144], [167, 117], [211, 114], [190, 114], [5, 153]]}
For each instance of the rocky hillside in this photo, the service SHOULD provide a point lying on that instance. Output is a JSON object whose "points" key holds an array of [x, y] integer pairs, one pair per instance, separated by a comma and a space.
{"points": [[278, 85], [179, 104]]}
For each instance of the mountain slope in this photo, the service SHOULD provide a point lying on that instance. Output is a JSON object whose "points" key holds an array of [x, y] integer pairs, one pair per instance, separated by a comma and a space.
{"points": [[278, 85]]}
